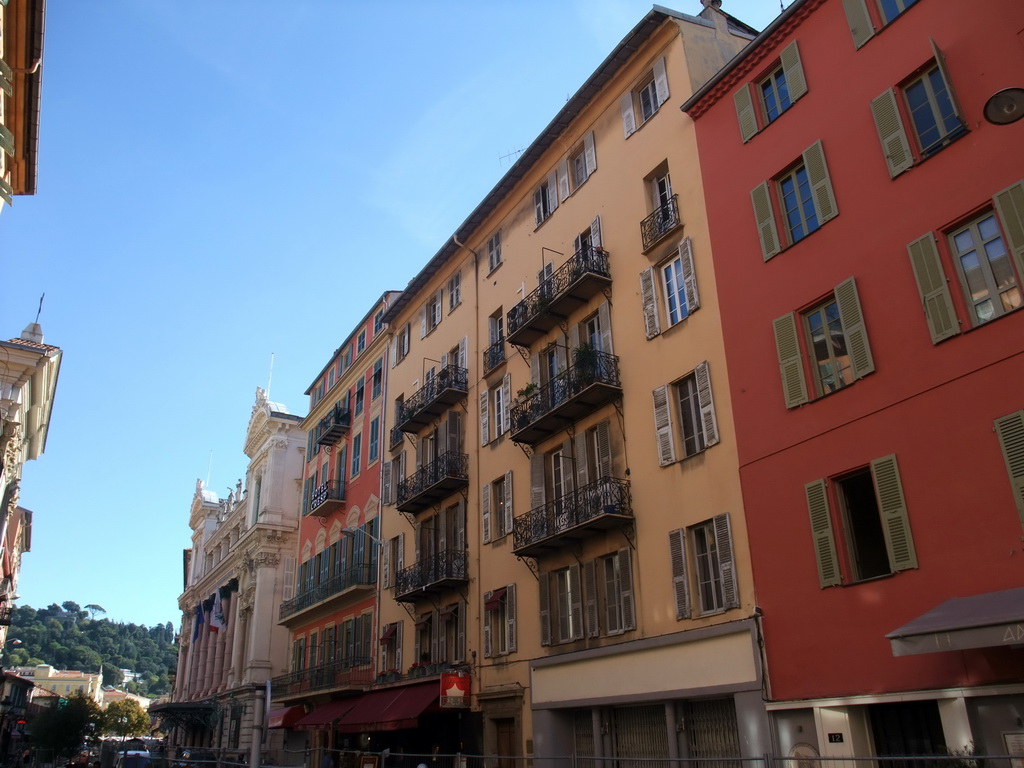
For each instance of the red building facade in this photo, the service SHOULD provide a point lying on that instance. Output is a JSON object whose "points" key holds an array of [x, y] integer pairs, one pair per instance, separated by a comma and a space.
{"points": [[867, 225]]}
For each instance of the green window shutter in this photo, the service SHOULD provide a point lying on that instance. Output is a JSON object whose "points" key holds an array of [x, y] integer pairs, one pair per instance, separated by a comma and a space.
{"points": [[893, 509], [934, 290], [680, 583], [821, 529], [791, 364], [726, 561], [794, 71], [663, 427], [857, 17], [707, 404], [1010, 431], [6, 192], [6, 78], [1010, 206], [6, 140], [821, 184], [852, 319], [590, 598], [745, 113], [764, 217], [895, 144]]}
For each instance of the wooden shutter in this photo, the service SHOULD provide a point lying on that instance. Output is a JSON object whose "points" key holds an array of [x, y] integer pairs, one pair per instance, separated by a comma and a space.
{"points": [[604, 450], [510, 617], [707, 404], [536, 481], [488, 624], [791, 365], [485, 512], [485, 419], [821, 183], [852, 319], [563, 180], [933, 288], [506, 402], [576, 606], [821, 530], [463, 360], [745, 114], [680, 582], [552, 192], [891, 133], [400, 553], [649, 300], [385, 563], [595, 232], [857, 17], [940, 61], [582, 472], [417, 652], [689, 276], [1010, 206], [893, 510], [288, 589], [593, 628], [628, 115], [398, 645], [589, 153], [435, 635], [764, 218], [460, 631], [394, 351], [6, 75], [626, 595], [508, 502], [796, 82], [1010, 433], [726, 561], [604, 319], [663, 427], [423, 321], [545, 608], [6, 140], [660, 81]]}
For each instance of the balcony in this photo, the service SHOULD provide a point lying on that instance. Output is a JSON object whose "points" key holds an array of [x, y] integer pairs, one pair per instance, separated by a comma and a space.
{"points": [[569, 287], [577, 391], [359, 577], [494, 356], [337, 675], [397, 436], [333, 426], [597, 506], [431, 575], [447, 388], [326, 498], [660, 223], [5, 614], [431, 483]]}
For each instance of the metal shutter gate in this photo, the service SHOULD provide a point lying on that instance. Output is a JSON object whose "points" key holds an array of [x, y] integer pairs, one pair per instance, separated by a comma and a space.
{"points": [[583, 737], [640, 733], [711, 731]]}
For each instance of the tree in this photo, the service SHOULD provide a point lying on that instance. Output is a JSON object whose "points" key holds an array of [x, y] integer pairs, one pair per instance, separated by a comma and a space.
{"points": [[125, 718], [112, 675], [93, 609], [62, 728]]}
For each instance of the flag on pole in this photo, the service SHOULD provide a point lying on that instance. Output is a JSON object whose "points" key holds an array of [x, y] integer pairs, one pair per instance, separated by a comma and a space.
{"points": [[198, 622], [217, 622]]}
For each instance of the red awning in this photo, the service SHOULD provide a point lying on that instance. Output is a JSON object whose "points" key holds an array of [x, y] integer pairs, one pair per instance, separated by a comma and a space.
{"points": [[388, 633], [391, 709], [494, 601], [322, 717], [285, 717]]}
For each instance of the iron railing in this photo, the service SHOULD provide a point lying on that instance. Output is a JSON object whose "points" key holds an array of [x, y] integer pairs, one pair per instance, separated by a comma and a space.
{"points": [[364, 575], [332, 426], [354, 671], [450, 379], [396, 437], [447, 565], [450, 467], [494, 355], [333, 490], [599, 368], [664, 219], [608, 496]]}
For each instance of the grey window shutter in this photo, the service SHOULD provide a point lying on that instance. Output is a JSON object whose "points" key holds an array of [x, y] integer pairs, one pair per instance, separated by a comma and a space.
{"points": [[574, 337], [460, 632], [485, 418], [552, 192], [794, 71], [649, 300], [821, 530], [791, 366], [577, 602], [536, 481], [893, 509], [745, 113], [508, 502], [852, 319], [386, 482], [707, 404], [463, 360], [510, 617], [764, 218], [595, 232], [1010, 206], [400, 553], [660, 81], [689, 276], [604, 450], [506, 402], [626, 596], [582, 472], [385, 564], [423, 321], [891, 133], [563, 180], [485, 512], [940, 61], [535, 368], [1010, 433], [821, 183], [934, 289], [488, 631], [435, 636], [726, 561], [604, 319], [545, 608], [680, 582], [417, 652], [398, 644], [628, 115], [860, 22], [589, 153], [590, 598], [394, 351], [663, 427]]}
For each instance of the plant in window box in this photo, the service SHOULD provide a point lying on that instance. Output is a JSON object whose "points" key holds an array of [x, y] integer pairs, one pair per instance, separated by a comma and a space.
{"points": [[526, 393]]}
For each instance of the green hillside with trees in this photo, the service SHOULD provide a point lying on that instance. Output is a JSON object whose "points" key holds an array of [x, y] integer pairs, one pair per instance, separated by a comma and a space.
{"points": [[68, 636]]}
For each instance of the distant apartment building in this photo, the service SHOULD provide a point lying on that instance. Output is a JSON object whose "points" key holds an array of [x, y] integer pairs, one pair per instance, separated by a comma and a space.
{"points": [[64, 682]]}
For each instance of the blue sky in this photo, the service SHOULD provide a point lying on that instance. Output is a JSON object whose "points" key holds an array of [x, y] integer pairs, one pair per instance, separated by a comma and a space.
{"points": [[227, 180]]}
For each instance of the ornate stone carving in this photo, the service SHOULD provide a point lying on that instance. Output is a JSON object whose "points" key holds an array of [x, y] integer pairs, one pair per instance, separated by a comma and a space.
{"points": [[267, 559]]}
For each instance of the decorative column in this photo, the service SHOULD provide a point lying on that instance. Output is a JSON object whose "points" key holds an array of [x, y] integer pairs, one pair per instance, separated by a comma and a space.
{"points": [[262, 626], [229, 642]]}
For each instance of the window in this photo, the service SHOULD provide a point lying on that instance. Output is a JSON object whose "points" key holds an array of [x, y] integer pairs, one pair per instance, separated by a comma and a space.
{"points": [[348, 357], [374, 450], [393, 554], [494, 407], [566, 606], [926, 107], [985, 269], [865, 16], [698, 423], [378, 321], [430, 313], [494, 251], [391, 647], [703, 566], [500, 621], [803, 198], [545, 199], [776, 92], [360, 396], [673, 285], [357, 447], [454, 291], [425, 638], [871, 522], [574, 171], [378, 379], [645, 99], [330, 378], [609, 598], [361, 342], [401, 349], [452, 634], [834, 343], [496, 508]]}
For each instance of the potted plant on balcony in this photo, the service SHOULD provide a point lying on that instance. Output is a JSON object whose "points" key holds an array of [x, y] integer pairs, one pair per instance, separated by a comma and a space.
{"points": [[526, 393], [585, 362]]}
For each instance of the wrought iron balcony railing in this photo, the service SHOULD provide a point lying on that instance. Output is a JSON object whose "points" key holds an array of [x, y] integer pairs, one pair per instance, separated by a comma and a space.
{"points": [[396, 437], [333, 426], [664, 219], [577, 391], [494, 355], [442, 571], [352, 672], [570, 286], [327, 497], [448, 387], [434, 481], [5, 615], [364, 575], [602, 504]]}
